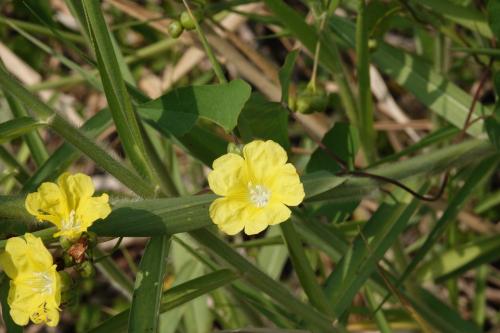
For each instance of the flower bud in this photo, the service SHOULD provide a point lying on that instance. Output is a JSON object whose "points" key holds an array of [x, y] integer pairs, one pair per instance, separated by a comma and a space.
{"points": [[309, 102], [175, 29], [91, 239], [68, 260], [234, 148], [186, 20], [65, 243], [86, 269]]}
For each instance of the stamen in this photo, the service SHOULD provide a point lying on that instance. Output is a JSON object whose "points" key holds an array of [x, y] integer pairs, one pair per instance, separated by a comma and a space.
{"points": [[259, 195]]}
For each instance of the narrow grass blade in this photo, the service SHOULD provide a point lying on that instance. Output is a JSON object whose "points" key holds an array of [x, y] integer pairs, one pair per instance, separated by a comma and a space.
{"points": [[14, 128], [263, 282], [303, 269], [432, 89], [61, 159], [174, 297], [479, 305], [75, 137], [455, 261], [482, 171], [33, 139], [115, 275], [21, 173], [272, 259], [369, 247], [148, 286], [118, 98]]}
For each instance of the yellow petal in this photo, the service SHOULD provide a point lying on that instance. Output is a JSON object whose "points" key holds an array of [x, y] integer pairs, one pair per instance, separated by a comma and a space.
{"points": [[93, 208], [14, 258], [228, 175], [20, 316], [76, 187], [37, 253], [271, 214], [229, 214], [262, 158], [47, 204], [286, 187]]}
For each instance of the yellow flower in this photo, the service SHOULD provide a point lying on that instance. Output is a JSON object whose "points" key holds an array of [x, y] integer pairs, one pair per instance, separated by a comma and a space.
{"points": [[256, 188], [35, 286], [68, 204]]}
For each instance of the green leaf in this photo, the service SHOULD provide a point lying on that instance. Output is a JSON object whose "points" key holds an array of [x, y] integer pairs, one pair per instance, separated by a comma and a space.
{"points": [[16, 127], [261, 119], [203, 144], [156, 217], [342, 140], [148, 286], [177, 111], [7, 319], [285, 74]]}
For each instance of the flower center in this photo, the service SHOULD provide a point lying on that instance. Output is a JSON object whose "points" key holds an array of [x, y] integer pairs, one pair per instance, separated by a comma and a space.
{"points": [[71, 222], [259, 195], [41, 282]]}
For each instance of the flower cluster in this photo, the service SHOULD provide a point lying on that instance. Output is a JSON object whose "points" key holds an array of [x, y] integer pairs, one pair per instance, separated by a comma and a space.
{"points": [[35, 286], [256, 186]]}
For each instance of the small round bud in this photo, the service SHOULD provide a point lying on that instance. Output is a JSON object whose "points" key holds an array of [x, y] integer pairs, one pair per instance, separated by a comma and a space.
{"points": [[91, 239], [186, 20], [372, 44], [65, 243], [234, 148], [68, 260], [175, 29], [86, 269], [310, 101]]}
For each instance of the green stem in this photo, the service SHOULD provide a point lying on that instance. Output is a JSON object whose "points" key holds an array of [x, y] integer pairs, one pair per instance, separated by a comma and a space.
{"points": [[479, 305], [365, 115], [380, 319], [210, 54], [303, 269]]}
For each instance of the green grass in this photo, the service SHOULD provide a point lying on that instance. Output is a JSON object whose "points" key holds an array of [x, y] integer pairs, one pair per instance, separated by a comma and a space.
{"points": [[359, 254]]}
